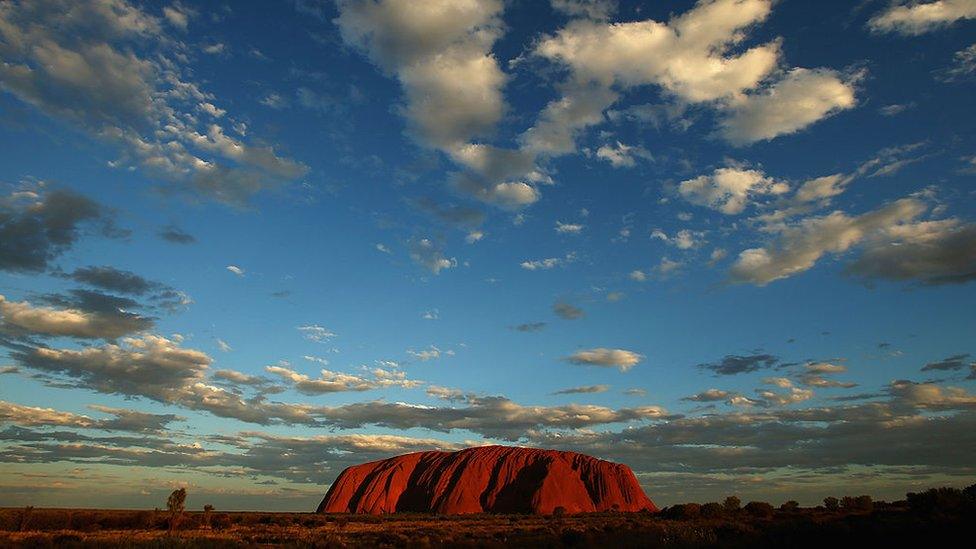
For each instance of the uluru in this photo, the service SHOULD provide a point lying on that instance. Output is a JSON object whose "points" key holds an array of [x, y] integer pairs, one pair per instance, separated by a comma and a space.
{"points": [[486, 479]]}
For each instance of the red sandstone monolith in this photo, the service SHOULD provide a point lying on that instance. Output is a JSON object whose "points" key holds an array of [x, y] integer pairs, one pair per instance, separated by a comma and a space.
{"points": [[486, 479]]}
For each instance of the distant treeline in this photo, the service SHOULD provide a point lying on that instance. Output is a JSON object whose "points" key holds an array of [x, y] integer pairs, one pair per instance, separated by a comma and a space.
{"points": [[936, 516]]}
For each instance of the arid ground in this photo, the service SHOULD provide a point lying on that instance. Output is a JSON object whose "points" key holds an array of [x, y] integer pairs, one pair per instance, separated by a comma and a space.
{"points": [[932, 517]]}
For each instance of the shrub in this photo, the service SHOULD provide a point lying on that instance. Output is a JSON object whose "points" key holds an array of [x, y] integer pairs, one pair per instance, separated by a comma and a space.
{"points": [[683, 511], [559, 512], [712, 510], [863, 503], [945, 501], [732, 504], [831, 503], [790, 506], [221, 521], [759, 509]]}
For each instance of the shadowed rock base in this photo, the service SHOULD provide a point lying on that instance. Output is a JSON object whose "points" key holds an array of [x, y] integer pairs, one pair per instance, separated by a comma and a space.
{"points": [[492, 479]]}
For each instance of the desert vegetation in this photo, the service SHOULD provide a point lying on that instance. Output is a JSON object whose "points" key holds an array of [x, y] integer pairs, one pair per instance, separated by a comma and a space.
{"points": [[929, 516]]}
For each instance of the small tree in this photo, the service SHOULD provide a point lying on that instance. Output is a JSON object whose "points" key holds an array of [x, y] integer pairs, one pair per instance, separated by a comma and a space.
{"points": [[207, 511], [559, 512], [790, 506], [941, 501], [831, 503], [176, 504], [732, 504], [847, 503], [864, 503], [759, 509], [711, 510]]}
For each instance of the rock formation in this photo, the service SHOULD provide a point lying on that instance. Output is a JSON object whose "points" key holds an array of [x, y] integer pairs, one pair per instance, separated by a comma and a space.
{"points": [[493, 479]]}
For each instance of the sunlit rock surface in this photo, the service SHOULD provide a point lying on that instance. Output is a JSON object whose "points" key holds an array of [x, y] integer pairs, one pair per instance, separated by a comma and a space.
{"points": [[495, 479]]}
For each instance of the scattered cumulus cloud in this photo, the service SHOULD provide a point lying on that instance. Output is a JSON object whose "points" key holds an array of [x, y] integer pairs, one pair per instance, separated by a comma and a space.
{"points": [[583, 390], [569, 228], [622, 359], [920, 17], [567, 311], [314, 332], [740, 364]]}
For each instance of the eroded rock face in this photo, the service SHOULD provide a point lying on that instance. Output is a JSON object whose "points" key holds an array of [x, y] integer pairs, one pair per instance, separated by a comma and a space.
{"points": [[494, 479]]}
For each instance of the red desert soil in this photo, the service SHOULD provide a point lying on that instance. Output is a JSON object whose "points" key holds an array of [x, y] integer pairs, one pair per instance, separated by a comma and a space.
{"points": [[493, 479]]}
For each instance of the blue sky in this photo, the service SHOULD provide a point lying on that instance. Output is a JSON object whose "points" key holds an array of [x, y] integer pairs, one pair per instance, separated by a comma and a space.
{"points": [[730, 243]]}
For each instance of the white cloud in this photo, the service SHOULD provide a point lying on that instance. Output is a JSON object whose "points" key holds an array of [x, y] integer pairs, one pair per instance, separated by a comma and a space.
{"points": [[932, 396], [80, 65], [795, 394], [211, 109], [667, 267], [921, 17], [718, 254], [34, 416], [601, 356], [316, 359], [216, 48], [688, 57], [123, 420], [314, 332], [569, 228], [622, 156], [638, 275], [818, 192], [148, 365], [426, 254], [710, 395], [802, 97], [430, 353], [781, 382], [729, 190], [440, 51], [509, 195], [685, 239], [446, 393], [583, 390], [337, 382], [178, 15], [895, 109], [799, 246], [541, 264], [20, 317], [825, 368], [963, 67], [274, 100], [236, 270], [931, 252], [548, 263], [224, 346]]}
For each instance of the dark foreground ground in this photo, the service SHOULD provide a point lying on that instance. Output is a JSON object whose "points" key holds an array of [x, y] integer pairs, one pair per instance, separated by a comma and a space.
{"points": [[680, 526]]}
